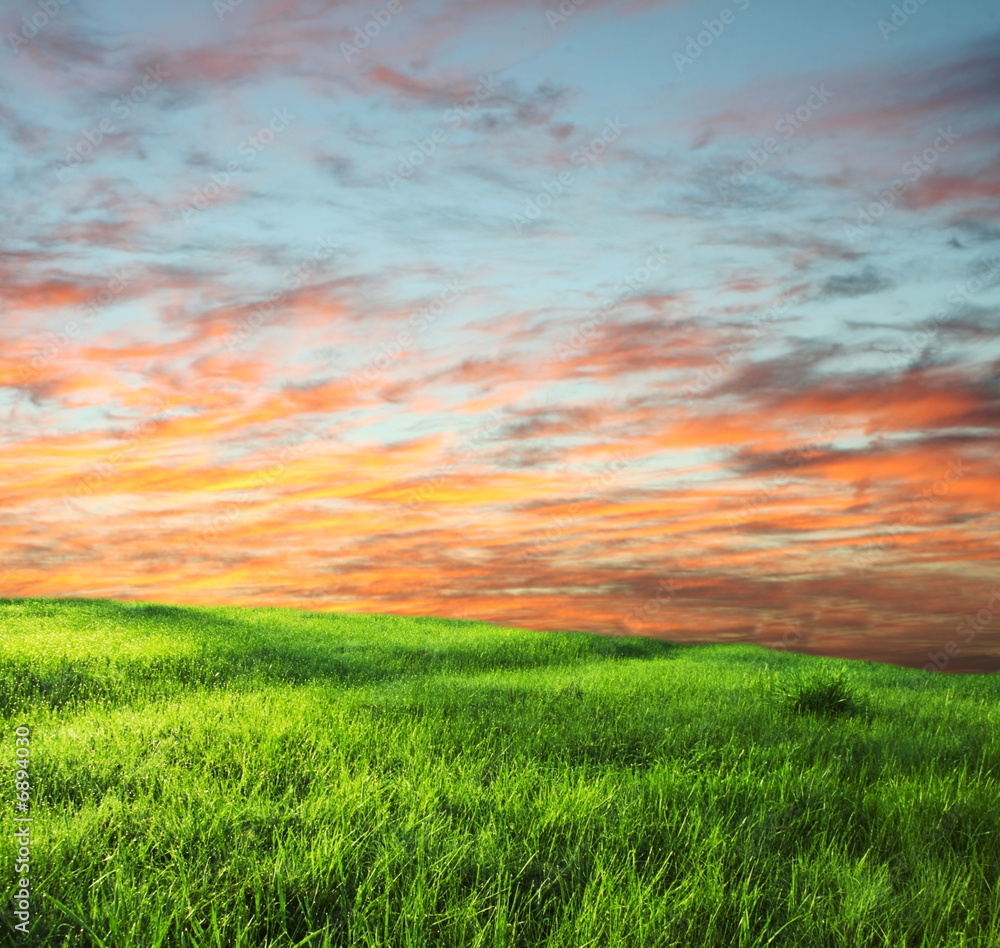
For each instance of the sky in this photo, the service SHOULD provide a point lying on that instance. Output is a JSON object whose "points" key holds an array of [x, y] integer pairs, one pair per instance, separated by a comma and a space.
{"points": [[677, 319]]}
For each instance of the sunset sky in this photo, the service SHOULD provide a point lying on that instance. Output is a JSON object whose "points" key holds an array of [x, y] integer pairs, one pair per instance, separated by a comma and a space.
{"points": [[665, 318]]}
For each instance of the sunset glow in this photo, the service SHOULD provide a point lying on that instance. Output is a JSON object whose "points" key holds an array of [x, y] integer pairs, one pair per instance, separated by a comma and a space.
{"points": [[623, 316]]}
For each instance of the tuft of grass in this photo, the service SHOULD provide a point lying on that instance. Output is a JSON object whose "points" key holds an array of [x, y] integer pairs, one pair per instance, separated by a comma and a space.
{"points": [[820, 693]]}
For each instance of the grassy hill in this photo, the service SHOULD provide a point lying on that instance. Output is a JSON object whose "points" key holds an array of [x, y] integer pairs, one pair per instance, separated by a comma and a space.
{"points": [[273, 778]]}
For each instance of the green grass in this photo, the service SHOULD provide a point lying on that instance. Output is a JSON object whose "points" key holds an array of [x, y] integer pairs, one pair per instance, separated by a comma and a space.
{"points": [[228, 778]]}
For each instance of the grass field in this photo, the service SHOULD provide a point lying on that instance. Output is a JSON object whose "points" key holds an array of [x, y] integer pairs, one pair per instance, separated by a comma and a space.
{"points": [[273, 778]]}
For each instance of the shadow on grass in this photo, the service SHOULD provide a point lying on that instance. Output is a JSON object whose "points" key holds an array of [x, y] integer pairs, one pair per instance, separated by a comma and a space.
{"points": [[77, 682]]}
